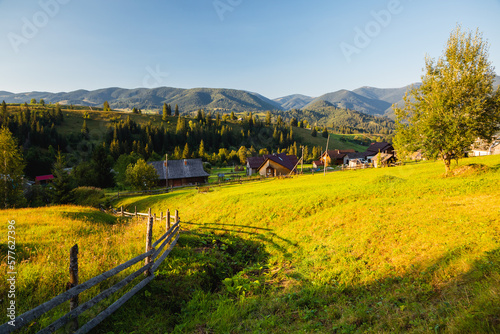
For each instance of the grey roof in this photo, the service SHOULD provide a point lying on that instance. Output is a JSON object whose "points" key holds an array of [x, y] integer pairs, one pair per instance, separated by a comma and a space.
{"points": [[180, 169]]}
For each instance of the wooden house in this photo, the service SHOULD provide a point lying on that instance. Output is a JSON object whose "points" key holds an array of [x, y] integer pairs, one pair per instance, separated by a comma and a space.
{"points": [[178, 173], [278, 164]]}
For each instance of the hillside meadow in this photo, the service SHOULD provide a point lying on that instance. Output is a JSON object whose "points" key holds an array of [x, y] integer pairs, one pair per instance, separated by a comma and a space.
{"points": [[390, 250]]}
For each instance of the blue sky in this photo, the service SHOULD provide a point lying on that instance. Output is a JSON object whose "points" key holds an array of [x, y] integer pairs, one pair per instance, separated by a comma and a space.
{"points": [[274, 48]]}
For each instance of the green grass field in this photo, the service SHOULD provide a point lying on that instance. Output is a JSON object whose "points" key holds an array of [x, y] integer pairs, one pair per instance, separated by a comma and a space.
{"points": [[389, 250]]}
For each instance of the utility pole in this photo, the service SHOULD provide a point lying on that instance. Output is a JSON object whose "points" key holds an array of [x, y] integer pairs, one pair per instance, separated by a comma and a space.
{"points": [[166, 171], [326, 153], [302, 163]]}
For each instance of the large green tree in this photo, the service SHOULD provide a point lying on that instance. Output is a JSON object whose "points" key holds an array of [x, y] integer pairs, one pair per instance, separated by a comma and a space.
{"points": [[455, 105], [141, 175], [11, 170]]}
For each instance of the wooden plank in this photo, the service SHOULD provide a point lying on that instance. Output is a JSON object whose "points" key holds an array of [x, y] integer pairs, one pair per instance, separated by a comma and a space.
{"points": [[158, 251], [82, 308], [165, 235], [142, 214], [33, 314], [116, 305], [164, 255]]}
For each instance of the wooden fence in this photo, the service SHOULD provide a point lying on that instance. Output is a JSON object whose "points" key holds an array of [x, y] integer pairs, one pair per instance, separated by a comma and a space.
{"points": [[152, 259]]}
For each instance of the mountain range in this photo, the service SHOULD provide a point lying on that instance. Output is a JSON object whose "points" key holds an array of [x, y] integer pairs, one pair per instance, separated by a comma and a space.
{"points": [[368, 100]]}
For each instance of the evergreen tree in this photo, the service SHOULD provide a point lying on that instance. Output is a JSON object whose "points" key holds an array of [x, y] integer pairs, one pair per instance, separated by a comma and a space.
{"points": [[169, 110], [185, 152], [268, 118], [177, 153], [85, 130], [61, 184], [164, 115], [314, 133], [325, 132], [11, 170], [42, 102], [59, 114], [176, 110], [102, 166], [201, 150], [3, 115], [106, 106], [233, 116]]}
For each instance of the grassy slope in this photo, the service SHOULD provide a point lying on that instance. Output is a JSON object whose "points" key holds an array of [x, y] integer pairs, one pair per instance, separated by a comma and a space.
{"points": [[384, 250]]}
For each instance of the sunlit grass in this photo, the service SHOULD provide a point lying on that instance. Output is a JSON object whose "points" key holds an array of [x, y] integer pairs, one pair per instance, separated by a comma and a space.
{"points": [[413, 249], [44, 237]]}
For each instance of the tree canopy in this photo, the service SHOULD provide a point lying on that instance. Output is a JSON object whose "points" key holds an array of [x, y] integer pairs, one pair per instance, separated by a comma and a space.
{"points": [[141, 175], [455, 105]]}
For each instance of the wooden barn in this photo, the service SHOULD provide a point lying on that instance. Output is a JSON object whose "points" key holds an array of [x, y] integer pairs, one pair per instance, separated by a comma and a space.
{"points": [[179, 173]]}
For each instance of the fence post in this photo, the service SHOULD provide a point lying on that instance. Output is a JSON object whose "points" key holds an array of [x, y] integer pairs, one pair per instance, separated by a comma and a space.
{"points": [[176, 216], [149, 242], [161, 215], [135, 211], [168, 220], [121, 211], [73, 281], [149, 212]]}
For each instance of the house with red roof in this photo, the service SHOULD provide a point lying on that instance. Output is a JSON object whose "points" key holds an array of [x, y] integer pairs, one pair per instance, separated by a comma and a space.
{"points": [[44, 179]]}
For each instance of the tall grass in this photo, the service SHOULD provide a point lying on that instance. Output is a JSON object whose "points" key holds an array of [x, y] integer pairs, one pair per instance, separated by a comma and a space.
{"points": [[44, 237]]}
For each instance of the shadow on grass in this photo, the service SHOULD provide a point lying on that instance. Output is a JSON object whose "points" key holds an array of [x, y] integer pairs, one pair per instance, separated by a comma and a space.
{"points": [[199, 263], [418, 302]]}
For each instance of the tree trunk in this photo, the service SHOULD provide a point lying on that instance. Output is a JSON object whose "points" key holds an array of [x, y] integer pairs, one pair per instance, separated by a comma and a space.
{"points": [[447, 163]]}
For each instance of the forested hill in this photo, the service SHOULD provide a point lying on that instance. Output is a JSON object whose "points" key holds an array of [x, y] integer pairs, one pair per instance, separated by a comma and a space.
{"points": [[345, 121]]}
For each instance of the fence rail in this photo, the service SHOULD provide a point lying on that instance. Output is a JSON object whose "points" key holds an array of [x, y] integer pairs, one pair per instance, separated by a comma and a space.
{"points": [[153, 250]]}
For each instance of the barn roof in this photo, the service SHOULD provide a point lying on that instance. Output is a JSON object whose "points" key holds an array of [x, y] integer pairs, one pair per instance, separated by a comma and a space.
{"points": [[380, 146], [180, 169], [255, 162]]}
